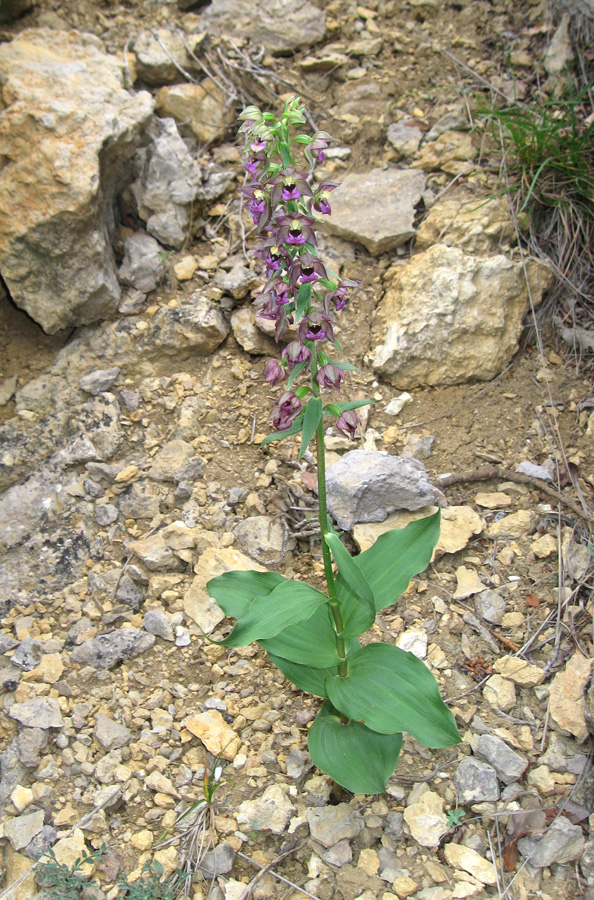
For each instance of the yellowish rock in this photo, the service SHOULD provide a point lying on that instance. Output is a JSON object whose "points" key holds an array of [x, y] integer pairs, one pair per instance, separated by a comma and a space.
{"points": [[500, 693], [68, 849], [468, 583], [201, 106], [185, 268], [519, 671], [567, 703], [493, 500], [458, 525], [201, 608], [369, 862], [211, 728], [542, 780], [21, 798], [544, 545], [127, 474], [50, 668], [142, 840], [461, 857], [404, 886], [516, 525], [17, 867], [169, 858]]}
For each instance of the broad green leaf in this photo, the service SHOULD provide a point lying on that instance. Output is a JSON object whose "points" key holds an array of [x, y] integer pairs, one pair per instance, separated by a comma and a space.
{"points": [[279, 435], [287, 604], [310, 643], [295, 372], [388, 567], [234, 591], [354, 404], [390, 691], [308, 678], [359, 759], [303, 300], [349, 571], [313, 414]]}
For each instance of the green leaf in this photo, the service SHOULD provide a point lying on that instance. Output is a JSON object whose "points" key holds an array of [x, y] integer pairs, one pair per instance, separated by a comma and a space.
{"points": [[303, 300], [352, 575], [397, 556], [234, 591], [297, 370], [390, 691], [311, 420], [311, 642], [308, 678], [353, 404], [287, 604], [359, 759], [279, 435]]}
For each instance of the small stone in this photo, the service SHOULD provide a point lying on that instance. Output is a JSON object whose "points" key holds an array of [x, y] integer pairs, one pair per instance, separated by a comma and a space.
{"points": [[154, 552], [404, 886], [159, 783], [519, 671], [271, 812], [105, 514], [494, 500], [468, 583], [414, 642], [500, 693], [534, 471], [21, 798], [21, 830], [29, 745], [263, 537], [142, 840], [369, 862], [110, 734], [561, 843], [297, 763], [515, 525], [567, 700], [42, 712], [426, 819], [7, 389], [70, 849], [331, 824], [461, 857], [218, 861], [397, 404], [172, 457], [27, 656], [142, 267], [98, 381], [107, 650], [544, 545], [185, 268], [339, 855], [156, 621], [542, 780], [211, 728], [476, 781], [201, 608], [508, 764]]}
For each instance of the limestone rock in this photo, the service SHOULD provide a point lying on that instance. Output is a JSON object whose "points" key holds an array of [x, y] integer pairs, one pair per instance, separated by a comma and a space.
{"points": [[68, 849], [41, 712], [157, 53], [172, 457], [111, 735], [468, 583], [461, 857], [331, 824], [451, 152], [200, 107], [142, 266], [21, 830], [519, 671], [366, 486], [567, 699], [405, 137], [426, 819], [67, 130], [270, 812], [377, 208], [476, 781], [561, 843], [197, 604], [516, 525], [281, 26], [249, 336], [262, 537], [107, 650], [460, 219], [458, 525], [449, 318], [508, 764], [167, 186], [500, 693], [214, 733], [19, 881]]}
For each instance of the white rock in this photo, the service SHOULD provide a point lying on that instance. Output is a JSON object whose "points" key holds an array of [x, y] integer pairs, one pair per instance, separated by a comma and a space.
{"points": [[426, 819], [197, 604], [271, 812]]}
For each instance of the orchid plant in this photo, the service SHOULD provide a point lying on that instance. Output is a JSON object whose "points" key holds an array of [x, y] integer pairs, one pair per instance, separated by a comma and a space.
{"points": [[372, 692]]}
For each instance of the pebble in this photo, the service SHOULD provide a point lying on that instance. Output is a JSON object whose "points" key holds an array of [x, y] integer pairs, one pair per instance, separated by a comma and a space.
{"points": [[21, 830], [500, 693], [184, 269], [426, 819], [490, 605], [271, 812], [468, 583], [397, 404], [157, 622], [339, 855], [211, 728], [508, 764], [414, 642], [561, 843], [331, 824], [476, 781], [494, 500], [461, 857], [98, 381], [513, 526], [111, 735], [534, 471], [41, 712], [218, 861], [519, 671], [107, 650], [567, 700]]}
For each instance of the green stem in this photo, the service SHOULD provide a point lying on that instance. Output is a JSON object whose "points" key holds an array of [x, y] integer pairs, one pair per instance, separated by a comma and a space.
{"points": [[324, 530]]}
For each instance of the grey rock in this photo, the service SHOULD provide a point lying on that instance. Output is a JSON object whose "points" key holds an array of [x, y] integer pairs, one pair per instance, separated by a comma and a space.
{"points": [[331, 824], [534, 471], [106, 766], [298, 763], [42, 841], [262, 537], [134, 302], [249, 336], [171, 459], [367, 485], [7, 643], [281, 26], [419, 446], [70, 128], [386, 217], [561, 843], [93, 488], [21, 830], [237, 495], [156, 621], [140, 501], [451, 121], [41, 712], [182, 492], [405, 138], [394, 825], [143, 264], [107, 650], [130, 399], [476, 781], [166, 188], [339, 855], [29, 745], [12, 9], [508, 764], [105, 514], [587, 862], [238, 282], [130, 593], [159, 53], [191, 471], [12, 772], [7, 389], [491, 606], [99, 420], [218, 861], [9, 677], [98, 381], [27, 656], [111, 735], [191, 411]]}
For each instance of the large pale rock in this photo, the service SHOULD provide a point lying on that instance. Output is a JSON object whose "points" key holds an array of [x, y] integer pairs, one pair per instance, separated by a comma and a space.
{"points": [[218, 737], [200, 107], [451, 152], [567, 698], [159, 55], [426, 819], [458, 525], [460, 219], [270, 812], [450, 318], [367, 485], [167, 186], [19, 876], [376, 208], [249, 336], [280, 25], [461, 857], [67, 129], [201, 608]]}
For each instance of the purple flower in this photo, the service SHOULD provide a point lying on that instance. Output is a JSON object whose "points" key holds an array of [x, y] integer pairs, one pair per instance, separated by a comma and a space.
{"points": [[295, 353], [347, 423], [317, 146], [295, 230], [287, 408], [340, 294], [258, 145], [274, 372], [283, 292], [306, 267], [289, 185], [315, 327], [321, 199], [330, 376]]}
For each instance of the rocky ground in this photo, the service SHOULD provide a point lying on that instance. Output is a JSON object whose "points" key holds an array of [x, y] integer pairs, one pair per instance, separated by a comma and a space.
{"points": [[132, 471]]}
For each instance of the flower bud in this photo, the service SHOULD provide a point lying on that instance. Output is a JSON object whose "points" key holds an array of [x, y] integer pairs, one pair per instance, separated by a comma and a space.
{"points": [[347, 423]]}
